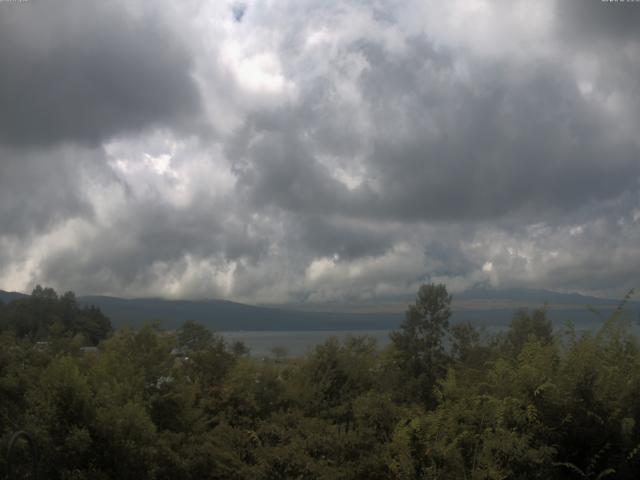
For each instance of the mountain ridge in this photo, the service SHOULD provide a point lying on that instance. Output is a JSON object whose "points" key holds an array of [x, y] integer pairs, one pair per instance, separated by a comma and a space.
{"points": [[485, 307]]}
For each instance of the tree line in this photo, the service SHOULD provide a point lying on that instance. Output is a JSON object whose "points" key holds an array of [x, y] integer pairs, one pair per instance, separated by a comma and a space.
{"points": [[440, 402]]}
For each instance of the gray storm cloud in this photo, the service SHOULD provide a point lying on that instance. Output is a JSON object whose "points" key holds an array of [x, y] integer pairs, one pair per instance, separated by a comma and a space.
{"points": [[83, 72], [318, 151]]}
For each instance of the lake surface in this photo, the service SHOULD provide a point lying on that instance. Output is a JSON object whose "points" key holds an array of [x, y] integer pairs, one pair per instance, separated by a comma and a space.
{"points": [[297, 343], [300, 342]]}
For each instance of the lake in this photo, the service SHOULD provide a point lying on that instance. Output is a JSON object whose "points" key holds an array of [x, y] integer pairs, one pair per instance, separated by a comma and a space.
{"points": [[300, 342], [297, 343]]}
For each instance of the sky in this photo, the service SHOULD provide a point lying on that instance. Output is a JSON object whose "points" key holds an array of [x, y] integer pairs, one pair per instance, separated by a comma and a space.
{"points": [[317, 151]]}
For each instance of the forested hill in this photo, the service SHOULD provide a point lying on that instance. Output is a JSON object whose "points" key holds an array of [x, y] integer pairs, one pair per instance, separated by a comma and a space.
{"points": [[7, 297], [481, 307]]}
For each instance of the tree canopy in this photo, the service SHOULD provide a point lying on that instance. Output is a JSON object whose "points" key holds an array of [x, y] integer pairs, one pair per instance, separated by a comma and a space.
{"points": [[44, 315], [440, 402]]}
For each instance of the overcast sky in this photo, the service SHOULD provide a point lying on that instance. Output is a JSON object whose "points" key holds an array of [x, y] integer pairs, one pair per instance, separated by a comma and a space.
{"points": [[319, 150]]}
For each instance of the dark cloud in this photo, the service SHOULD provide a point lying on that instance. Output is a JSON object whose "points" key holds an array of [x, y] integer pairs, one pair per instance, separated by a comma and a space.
{"points": [[511, 141], [275, 167], [328, 236], [448, 259], [79, 71], [152, 244], [351, 151], [525, 146], [596, 256], [39, 188], [592, 21]]}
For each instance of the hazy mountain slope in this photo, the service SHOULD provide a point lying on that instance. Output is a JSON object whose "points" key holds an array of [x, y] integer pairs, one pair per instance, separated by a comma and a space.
{"points": [[481, 307], [6, 297], [225, 315], [525, 297]]}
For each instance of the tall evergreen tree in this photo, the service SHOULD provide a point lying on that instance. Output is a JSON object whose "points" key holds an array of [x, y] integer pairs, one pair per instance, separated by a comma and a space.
{"points": [[419, 343]]}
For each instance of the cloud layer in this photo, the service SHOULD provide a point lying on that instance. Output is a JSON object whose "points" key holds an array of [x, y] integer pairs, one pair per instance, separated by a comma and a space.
{"points": [[319, 151]]}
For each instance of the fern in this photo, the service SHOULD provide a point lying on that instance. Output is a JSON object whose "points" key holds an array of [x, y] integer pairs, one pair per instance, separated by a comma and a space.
{"points": [[588, 474]]}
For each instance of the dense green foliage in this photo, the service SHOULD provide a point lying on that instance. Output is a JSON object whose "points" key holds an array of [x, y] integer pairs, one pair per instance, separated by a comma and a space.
{"points": [[45, 316], [441, 402]]}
